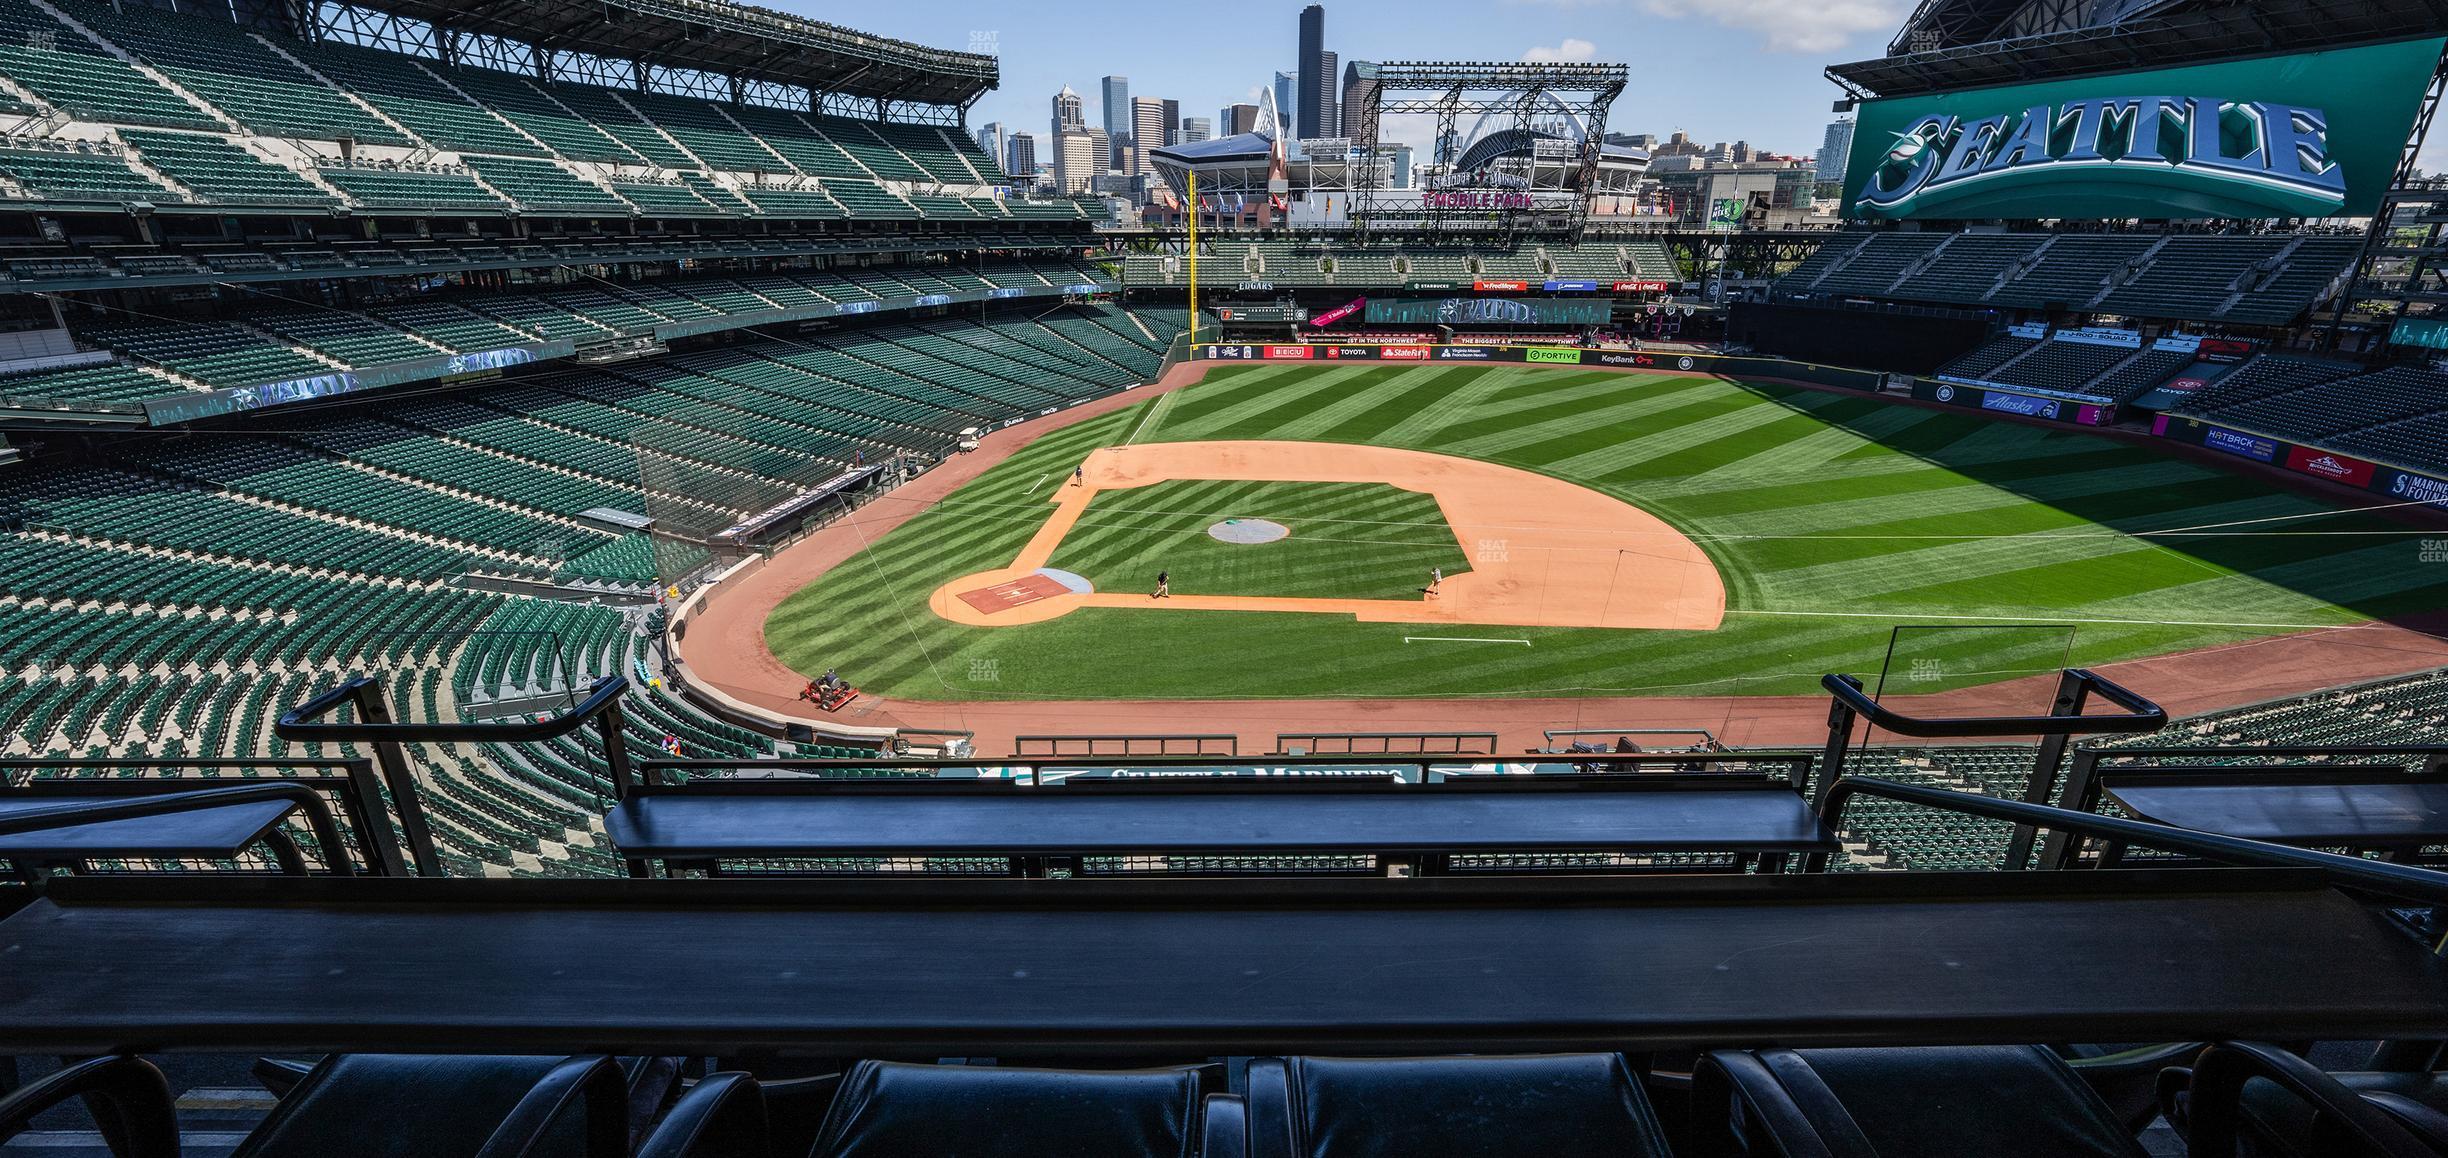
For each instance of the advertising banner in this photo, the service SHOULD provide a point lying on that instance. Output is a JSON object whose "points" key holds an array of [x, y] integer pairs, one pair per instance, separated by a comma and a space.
{"points": [[1560, 285], [1348, 353], [1643, 287], [1339, 313], [2022, 404], [2330, 465], [1289, 353], [1725, 213], [1488, 311], [1552, 354], [2424, 333], [1501, 287], [2310, 134], [2240, 444], [2414, 488]]}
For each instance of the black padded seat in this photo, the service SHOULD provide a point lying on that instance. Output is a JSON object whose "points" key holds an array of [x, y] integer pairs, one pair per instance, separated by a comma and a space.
{"points": [[2279, 1123], [438, 1106], [1941, 1102], [897, 1110], [1534, 1106]]}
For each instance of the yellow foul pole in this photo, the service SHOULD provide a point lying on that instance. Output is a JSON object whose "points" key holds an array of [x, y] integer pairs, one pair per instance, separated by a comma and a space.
{"points": [[1194, 212]]}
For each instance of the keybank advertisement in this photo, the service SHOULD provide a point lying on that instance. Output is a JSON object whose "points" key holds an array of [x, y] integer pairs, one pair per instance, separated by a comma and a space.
{"points": [[2314, 134]]}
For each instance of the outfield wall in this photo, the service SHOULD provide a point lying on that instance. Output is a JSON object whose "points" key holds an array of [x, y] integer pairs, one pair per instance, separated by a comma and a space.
{"points": [[2331, 466]]}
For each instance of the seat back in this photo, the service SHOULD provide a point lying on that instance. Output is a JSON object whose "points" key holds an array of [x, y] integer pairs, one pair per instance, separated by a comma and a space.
{"points": [[896, 1110], [1541, 1106], [412, 1106]]}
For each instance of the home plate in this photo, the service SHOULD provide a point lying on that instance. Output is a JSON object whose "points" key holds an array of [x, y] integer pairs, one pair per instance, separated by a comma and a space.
{"points": [[1044, 583]]}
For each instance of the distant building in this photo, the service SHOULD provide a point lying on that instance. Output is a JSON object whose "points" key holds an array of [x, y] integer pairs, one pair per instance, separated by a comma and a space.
{"points": [[1316, 76], [1834, 148], [1195, 129], [1287, 101], [1117, 115], [1020, 158], [1078, 158], [1234, 120], [1327, 97], [1172, 125], [1147, 130], [1068, 115], [1359, 91], [1400, 175], [990, 137]]}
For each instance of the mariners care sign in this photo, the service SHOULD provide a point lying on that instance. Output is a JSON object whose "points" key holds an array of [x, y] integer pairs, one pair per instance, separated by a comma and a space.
{"points": [[2314, 134]]}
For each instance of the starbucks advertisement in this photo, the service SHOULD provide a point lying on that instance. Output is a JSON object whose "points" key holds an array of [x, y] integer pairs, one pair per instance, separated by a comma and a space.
{"points": [[2312, 134]]}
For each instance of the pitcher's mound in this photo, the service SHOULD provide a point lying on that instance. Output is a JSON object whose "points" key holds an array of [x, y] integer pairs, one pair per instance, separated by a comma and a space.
{"points": [[1248, 531]]}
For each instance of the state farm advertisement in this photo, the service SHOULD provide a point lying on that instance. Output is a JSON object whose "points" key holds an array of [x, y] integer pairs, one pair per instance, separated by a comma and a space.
{"points": [[1403, 353]]}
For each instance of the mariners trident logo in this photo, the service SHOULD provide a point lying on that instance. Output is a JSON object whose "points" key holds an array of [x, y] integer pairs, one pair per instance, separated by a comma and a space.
{"points": [[2205, 155]]}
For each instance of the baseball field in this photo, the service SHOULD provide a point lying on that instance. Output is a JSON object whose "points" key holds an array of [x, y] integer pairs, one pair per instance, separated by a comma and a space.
{"points": [[1597, 534]]}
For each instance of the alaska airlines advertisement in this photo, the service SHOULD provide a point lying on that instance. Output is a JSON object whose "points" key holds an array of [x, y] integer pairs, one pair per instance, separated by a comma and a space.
{"points": [[2314, 134]]}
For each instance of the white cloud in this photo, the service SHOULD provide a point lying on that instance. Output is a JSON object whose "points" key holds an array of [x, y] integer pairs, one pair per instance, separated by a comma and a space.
{"points": [[1783, 25], [1573, 49]]}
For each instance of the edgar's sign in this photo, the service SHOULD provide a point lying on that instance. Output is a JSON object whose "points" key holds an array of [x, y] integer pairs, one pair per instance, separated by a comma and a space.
{"points": [[2309, 135]]}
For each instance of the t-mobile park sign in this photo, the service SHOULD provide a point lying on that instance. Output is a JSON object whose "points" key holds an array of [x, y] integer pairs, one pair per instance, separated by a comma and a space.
{"points": [[1477, 199]]}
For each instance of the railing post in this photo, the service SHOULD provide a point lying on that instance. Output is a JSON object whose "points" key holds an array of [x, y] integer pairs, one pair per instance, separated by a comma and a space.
{"points": [[1841, 718], [2073, 694], [608, 725], [374, 708], [363, 803], [2080, 795]]}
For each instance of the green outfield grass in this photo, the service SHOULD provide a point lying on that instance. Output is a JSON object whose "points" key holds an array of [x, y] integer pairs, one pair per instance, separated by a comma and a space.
{"points": [[1348, 541], [1832, 517]]}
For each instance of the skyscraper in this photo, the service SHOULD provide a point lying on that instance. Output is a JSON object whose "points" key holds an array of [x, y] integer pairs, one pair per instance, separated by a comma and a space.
{"points": [[1833, 149], [1020, 159], [1147, 130], [1172, 125], [1067, 113], [1326, 99], [1287, 105], [1118, 120], [1359, 90], [1195, 129], [1315, 73], [1077, 159], [1233, 120], [990, 137]]}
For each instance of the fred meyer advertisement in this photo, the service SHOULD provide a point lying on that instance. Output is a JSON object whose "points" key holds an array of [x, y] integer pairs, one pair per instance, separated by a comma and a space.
{"points": [[2312, 134]]}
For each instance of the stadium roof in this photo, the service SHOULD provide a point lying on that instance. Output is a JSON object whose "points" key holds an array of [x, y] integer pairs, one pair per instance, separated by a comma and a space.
{"points": [[731, 38], [2172, 36]]}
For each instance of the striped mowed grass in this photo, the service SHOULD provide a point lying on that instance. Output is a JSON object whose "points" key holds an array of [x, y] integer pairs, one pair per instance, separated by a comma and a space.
{"points": [[1832, 518]]}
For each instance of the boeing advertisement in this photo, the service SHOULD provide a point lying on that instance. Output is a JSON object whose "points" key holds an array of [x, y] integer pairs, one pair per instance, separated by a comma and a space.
{"points": [[2313, 134]]}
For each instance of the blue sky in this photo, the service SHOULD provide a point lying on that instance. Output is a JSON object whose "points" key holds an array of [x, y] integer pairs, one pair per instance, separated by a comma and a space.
{"points": [[1717, 69]]}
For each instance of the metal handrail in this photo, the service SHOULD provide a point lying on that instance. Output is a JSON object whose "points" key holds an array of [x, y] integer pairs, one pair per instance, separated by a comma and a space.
{"points": [[2404, 881], [2081, 791], [375, 727], [359, 793], [302, 797], [2066, 718]]}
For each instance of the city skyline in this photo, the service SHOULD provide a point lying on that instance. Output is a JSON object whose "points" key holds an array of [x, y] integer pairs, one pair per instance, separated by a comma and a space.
{"points": [[1679, 53]]}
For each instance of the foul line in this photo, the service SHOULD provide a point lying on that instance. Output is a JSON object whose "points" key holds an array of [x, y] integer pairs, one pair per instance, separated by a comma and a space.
{"points": [[1040, 482], [1150, 416], [1459, 639], [2053, 619]]}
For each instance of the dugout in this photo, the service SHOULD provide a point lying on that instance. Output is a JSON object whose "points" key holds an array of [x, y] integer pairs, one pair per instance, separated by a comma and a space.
{"points": [[1912, 339]]}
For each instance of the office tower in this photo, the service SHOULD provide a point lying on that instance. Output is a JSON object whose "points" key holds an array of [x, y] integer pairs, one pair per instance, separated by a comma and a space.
{"points": [[1172, 125], [1326, 99], [1067, 113], [1020, 158], [1287, 103], [1315, 73], [1195, 129], [1833, 149], [1147, 130], [1117, 116], [1233, 120], [1359, 89]]}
